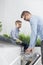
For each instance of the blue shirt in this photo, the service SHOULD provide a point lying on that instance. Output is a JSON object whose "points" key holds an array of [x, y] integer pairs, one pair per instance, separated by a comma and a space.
{"points": [[15, 33], [36, 29]]}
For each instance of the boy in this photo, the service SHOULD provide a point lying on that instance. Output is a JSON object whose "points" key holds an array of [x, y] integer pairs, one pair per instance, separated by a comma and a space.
{"points": [[15, 34]]}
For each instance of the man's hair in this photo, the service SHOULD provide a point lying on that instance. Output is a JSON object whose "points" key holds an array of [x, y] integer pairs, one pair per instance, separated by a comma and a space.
{"points": [[24, 12], [18, 21]]}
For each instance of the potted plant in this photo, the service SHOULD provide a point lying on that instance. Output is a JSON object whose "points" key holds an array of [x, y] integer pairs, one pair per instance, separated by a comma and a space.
{"points": [[24, 38], [6, 38], [0, 26], [6, 35]]}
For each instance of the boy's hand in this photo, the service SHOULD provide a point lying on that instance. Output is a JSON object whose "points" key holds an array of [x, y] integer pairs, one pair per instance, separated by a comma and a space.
{"points": [[19, 41]]}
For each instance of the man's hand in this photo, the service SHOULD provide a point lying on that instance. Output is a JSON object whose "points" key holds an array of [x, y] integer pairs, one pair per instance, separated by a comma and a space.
{"points": [[29, 50]]}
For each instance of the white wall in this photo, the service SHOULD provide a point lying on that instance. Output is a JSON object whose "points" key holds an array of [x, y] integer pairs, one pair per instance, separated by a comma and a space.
{"points": [[10, 10]]}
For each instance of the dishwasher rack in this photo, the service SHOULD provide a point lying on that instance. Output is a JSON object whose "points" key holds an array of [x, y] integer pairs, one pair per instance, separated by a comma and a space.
{"points": [[30, 59]]}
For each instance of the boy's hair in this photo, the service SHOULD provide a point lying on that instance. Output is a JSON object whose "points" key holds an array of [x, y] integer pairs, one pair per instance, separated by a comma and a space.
{"points": [[24, 12], [18, 21]]}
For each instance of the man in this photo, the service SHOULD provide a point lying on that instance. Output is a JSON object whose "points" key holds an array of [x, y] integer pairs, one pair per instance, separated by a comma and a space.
{"points": [[15, 34], [36, 29]]}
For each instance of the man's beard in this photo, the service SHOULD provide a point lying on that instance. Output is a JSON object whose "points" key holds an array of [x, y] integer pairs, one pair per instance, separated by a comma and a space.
{"points": [[27, 20]]}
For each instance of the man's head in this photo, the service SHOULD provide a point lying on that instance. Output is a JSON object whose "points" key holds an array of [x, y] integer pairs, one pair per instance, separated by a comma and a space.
{"points": [[18, 24], [26, 15]]}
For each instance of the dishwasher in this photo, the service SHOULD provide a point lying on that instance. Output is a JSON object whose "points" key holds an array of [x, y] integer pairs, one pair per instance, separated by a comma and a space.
{"points": [[30, 59]]}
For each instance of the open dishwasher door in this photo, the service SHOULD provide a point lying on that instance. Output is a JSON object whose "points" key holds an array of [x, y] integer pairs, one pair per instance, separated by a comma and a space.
{"points": [[32, 59]]}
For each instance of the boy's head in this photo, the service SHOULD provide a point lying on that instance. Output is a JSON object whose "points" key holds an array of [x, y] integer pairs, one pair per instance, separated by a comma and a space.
{"points": [[26, 15], [18, 23]]}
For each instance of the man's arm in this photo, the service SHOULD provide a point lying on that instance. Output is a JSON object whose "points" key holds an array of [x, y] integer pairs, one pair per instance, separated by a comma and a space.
{"points": [[33, 37]]}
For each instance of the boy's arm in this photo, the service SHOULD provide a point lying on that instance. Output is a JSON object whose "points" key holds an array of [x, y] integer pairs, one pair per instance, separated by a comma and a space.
{"points": [[13, 35]]}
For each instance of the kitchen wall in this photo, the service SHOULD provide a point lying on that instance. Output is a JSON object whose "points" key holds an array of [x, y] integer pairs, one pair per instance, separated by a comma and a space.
{"points": [[10, 11]]}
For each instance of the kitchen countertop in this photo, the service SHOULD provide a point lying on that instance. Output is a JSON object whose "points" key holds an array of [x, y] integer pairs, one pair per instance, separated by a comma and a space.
{"points": [[9, 52], [4, 41]]}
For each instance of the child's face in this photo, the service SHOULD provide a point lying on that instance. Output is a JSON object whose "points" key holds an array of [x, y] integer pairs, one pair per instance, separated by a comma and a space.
{"points": [[18, 25]]}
